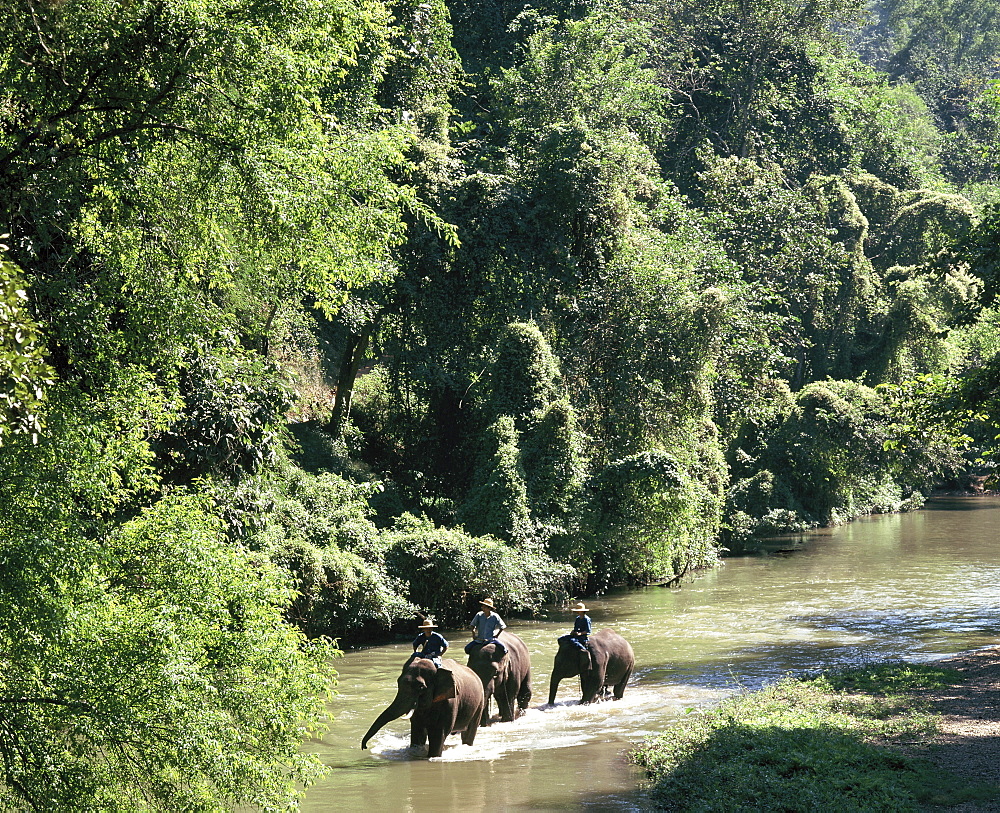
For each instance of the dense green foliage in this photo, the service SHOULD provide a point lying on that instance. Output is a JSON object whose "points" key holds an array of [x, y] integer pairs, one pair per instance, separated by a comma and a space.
{"points": [[317, 315], [826, 743], [23, 371]]}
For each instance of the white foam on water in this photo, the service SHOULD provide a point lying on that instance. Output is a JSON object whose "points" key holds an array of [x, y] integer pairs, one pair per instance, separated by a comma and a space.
{"points": [[566, 724], [395, 747]]}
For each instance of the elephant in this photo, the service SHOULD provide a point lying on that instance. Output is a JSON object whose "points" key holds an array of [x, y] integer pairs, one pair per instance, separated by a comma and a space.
{"points": [[444, 701], [610, 664], [508, 678]]}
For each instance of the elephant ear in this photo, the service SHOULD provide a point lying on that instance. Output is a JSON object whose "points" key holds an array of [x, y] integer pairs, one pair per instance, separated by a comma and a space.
{"points": [[444, 685]]}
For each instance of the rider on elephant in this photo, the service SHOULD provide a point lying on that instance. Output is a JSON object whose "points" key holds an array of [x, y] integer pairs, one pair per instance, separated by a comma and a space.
{"points": [[431, 645], [486, 626], [580, 634]]}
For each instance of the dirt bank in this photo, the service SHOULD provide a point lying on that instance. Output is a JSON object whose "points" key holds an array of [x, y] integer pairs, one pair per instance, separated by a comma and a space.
{"points": [[969, 740]]}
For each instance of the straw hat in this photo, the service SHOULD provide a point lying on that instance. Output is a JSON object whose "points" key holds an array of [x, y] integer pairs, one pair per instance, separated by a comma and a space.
{"points": [[427, 625], [580, 607], [487, 602]]}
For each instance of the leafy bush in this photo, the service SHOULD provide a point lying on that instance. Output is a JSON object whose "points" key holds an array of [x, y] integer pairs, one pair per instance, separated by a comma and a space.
{"points": [[168, 656], [339, 594], [830, 449], [24, 375], [553, 463], [645, 522], [498, 500], [317, 528], [843, 450], [449, 572], [523, 376], [761, 505], [233, 409], [924, 223]]}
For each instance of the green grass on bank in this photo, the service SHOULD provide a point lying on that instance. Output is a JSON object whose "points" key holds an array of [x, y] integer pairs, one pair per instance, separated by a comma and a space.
{"points": [[842, 741]]}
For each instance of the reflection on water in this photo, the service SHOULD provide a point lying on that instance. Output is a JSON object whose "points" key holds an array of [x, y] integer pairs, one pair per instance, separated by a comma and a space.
{"points": [[916, 586]]}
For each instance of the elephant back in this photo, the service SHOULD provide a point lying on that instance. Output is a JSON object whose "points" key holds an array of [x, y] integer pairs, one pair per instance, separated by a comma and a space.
{"points": [[469, 692], [517, 651], [516, 662], [620, 655]]}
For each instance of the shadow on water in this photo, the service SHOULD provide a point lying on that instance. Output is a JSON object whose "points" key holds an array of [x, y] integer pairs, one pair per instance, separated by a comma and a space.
{"points": [[960, 503]]}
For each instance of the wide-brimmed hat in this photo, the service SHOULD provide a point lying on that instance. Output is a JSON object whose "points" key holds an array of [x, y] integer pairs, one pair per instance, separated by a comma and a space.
{"points": [[580, 607], [487, 602], [427, 625]]}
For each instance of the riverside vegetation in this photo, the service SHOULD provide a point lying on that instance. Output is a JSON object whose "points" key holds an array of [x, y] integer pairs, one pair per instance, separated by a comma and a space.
{"points": [[854, 740], [316, 314]]}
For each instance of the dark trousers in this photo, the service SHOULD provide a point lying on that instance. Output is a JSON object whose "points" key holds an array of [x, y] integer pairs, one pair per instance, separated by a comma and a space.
{"points": [[474, 645], [578, 642]]}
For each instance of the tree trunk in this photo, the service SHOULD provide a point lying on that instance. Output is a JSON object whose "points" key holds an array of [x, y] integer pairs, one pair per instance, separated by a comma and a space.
{"points": [[265, 333], [350, 363]]}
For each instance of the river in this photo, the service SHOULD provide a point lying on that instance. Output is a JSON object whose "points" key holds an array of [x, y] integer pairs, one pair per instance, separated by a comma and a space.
{"points": [[916, 586]]}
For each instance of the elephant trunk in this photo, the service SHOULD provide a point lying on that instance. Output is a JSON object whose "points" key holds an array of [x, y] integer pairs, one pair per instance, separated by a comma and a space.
{"points": [[396, 709], [553, 687]]}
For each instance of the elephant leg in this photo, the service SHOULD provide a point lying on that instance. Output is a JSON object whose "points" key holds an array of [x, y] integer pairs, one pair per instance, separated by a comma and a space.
{"points": [[469, 735], [485, 719], [524, 692], [591, 684], [435, 744], [554, 687], [506, 702], [620, 685], [418, 732]]}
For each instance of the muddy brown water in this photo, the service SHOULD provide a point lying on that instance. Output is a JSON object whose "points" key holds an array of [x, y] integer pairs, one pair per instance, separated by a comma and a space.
{"points": [[917, 586]]}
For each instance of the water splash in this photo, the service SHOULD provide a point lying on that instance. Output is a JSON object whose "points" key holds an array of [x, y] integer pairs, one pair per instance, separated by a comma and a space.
{"points": [[565, 724]]}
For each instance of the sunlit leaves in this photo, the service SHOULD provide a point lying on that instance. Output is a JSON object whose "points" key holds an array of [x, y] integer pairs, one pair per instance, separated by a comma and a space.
{"points": [[159, 676], [24, 373]]}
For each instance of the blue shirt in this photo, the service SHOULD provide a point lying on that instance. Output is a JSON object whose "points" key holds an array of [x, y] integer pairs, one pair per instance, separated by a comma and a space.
{"points": [[582, 626], [487, 628], [434, 645]]}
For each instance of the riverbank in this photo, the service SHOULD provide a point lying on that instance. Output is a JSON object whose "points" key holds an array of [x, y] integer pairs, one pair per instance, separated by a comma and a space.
{"points": [[886, 737]]}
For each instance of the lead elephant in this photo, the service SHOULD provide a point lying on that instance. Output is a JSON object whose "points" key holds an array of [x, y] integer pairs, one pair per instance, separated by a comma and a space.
{"points": [[610, 664], [443, 700], [507, 678]]}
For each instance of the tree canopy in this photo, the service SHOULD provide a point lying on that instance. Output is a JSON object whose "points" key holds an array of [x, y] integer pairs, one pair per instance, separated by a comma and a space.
{"points": [[320, 315]]}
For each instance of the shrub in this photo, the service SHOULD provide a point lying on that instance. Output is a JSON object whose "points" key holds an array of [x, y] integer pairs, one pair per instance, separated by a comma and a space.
{"points": [[839, 453], [553, 462], [523, 375], [449, 572], [339, 594], [761, 505], [160, 677], [498, 501], [645, 522], [317, 528], [231, 417]]}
